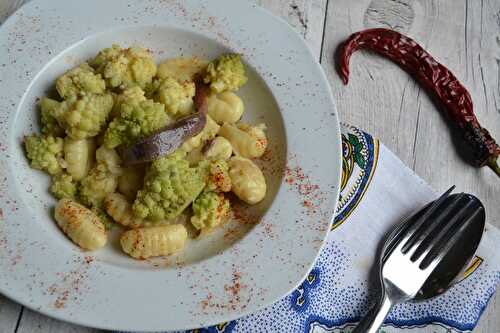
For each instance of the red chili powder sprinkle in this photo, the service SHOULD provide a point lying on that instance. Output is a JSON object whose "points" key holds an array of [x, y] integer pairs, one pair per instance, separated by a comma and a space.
{"points": [[268, 229], [271, 164], [233, 300], [61, 300], [307, 189], [70, 283], [89, 259], [261, 143], [242, 214], [231, 234], [206, 302], [311, 196]]}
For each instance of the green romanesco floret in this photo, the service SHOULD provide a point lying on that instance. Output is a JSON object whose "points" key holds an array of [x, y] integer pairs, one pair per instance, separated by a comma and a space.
{"points": [[210, 209], [218, 179], [125, 68], [85, 116], [81, 80], [96, 185], [136, 120], [63, 186], [170, 186], [177, 97], [44, 152], [225, 73], [131, 95], [102, 179], [104, 217], [49, 113]]}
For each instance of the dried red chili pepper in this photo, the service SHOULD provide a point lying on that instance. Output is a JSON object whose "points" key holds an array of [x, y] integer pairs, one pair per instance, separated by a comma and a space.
{"points": [[436, 78]]}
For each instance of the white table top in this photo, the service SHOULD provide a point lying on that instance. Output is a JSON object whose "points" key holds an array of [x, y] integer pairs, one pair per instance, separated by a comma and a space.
{"points": [[384, 100]]}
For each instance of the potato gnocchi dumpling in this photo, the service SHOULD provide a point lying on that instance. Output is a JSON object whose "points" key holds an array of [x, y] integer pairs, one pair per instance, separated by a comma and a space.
{"points": [[143, 243], [80, 224], [118, 207], [181, 69], [248, 181], [102, 179], [247, 141], [219, 149], [218, 177], [226, 107], [110, 159], [120, 97], [78, 155]]}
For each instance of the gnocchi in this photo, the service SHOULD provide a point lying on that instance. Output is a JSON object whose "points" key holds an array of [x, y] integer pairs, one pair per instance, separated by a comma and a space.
{"points": [[248, 182], [102, 179], [247, 141], [120, 210], [226, 107], [162, 202], [80, 224], [181, 69], [109, 158], [78, 155], [143, 243], [219, 149]]}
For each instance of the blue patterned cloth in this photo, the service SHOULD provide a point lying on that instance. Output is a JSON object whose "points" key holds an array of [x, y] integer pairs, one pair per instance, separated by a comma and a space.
{"points": [[338, 290]]}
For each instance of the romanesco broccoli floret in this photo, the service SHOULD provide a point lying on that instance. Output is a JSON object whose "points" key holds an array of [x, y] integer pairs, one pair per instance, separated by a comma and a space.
{"points": [[218, 176], [136, 120], [49, 113], [225, 73], [104, 217], [131, 95], [84, 117], [125, 68], [80, 80], [102, 179], [63, 186], [44, 152], [177, 97], [170, 186], [209, 210], [96, 185]]}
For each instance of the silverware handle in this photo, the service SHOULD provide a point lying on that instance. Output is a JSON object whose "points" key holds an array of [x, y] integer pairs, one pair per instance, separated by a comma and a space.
{"points": [[375, 317]]}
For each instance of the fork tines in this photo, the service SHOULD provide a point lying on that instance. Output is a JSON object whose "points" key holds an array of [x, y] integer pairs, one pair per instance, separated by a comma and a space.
{"points": [[428, 236]]}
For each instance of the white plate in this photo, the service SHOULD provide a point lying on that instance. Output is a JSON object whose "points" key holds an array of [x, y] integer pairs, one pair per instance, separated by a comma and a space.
{"points": [[223, 277]]}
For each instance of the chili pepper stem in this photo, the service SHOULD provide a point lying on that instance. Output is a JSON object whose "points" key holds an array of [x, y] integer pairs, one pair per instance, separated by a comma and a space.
{"points": [[492, 163]]}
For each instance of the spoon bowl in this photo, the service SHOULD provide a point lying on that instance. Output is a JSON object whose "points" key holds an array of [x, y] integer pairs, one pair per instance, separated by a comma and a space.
{"points": [[455, 262]]}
